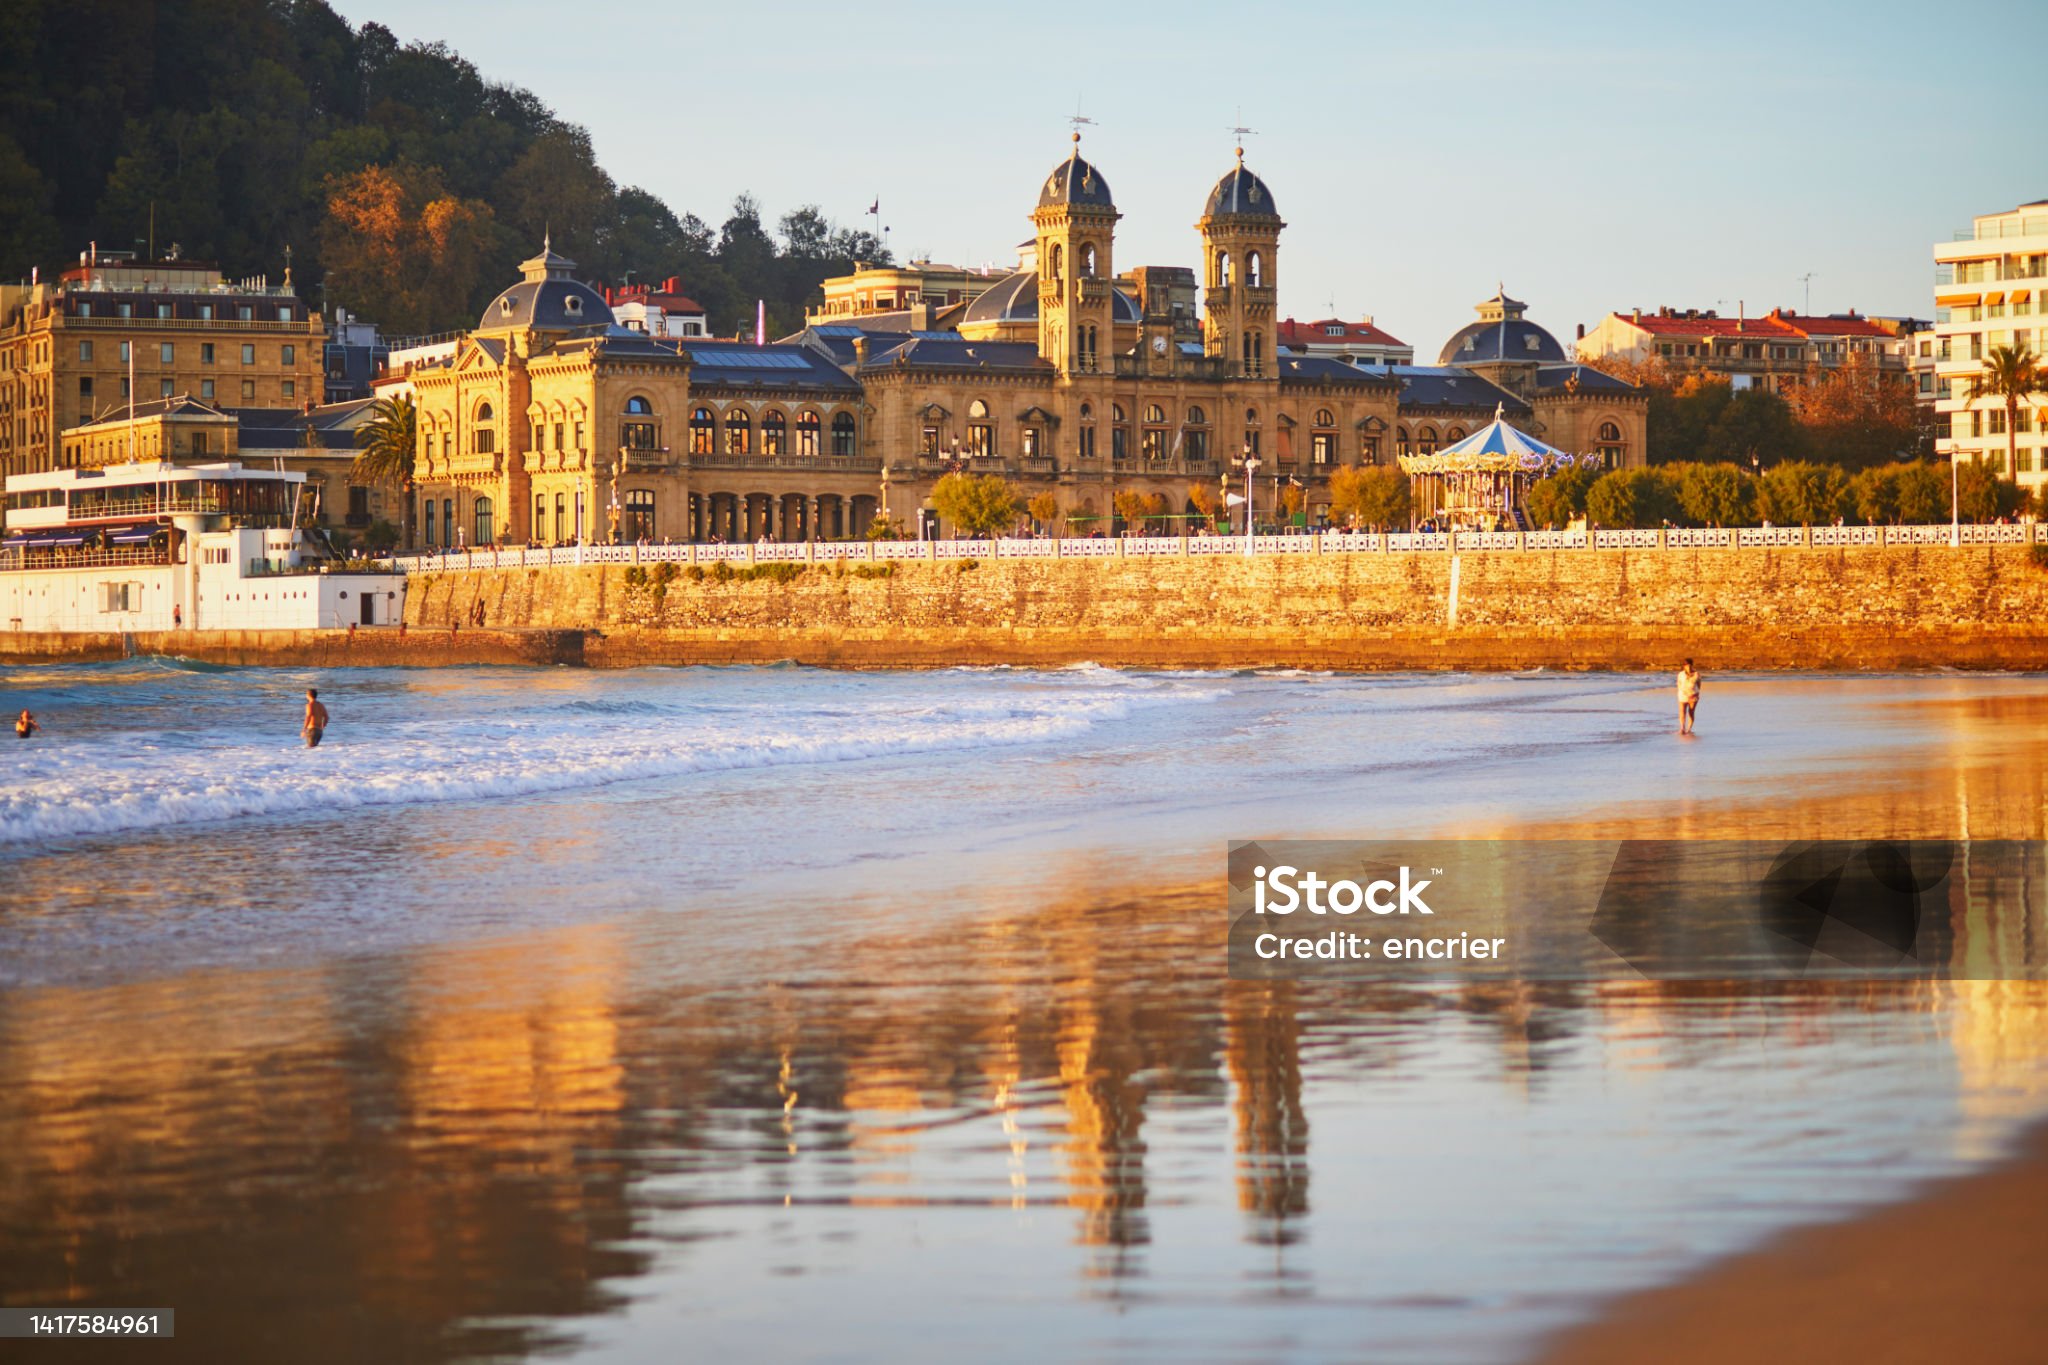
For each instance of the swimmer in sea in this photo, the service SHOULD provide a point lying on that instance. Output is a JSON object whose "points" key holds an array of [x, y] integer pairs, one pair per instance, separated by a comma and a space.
{"points": [[26, 725], [316, 718]]}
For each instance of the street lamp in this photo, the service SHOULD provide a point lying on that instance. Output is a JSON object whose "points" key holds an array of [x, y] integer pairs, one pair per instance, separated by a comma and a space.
{"points": [[1251, 467]]}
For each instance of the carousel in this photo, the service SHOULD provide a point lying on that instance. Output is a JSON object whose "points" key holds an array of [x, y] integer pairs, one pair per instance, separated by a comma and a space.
{"points": [[1480, 483]]}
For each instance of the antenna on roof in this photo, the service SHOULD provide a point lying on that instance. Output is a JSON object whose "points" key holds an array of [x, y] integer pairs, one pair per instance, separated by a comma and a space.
{"points": [[1807, 280]]}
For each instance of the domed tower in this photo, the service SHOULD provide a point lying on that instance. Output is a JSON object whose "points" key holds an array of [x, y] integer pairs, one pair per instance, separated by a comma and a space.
{"points": [[1076, 222], [1503, 346], [1240, 268]]}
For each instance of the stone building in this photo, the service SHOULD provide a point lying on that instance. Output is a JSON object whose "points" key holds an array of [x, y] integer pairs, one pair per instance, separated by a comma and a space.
{"points": [[550, 422], [67, 349]]}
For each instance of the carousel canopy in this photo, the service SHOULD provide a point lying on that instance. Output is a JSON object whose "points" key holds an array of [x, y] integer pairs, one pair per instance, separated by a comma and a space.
{"points": [[1497, 447]]}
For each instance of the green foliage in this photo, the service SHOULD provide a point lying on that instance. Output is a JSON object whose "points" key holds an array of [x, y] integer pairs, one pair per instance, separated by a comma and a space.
{"points": [[385, 443], [977, 506], [1044, 508], [1554, 500], [885, 528], [1911, 492], [1800, 493], [381, 535], [1372, 496], [1716, 495], [2039, 555], [1628, 498], [1984, 496], [887, 570], [2011, 375], [966, 565], [238, 121]]}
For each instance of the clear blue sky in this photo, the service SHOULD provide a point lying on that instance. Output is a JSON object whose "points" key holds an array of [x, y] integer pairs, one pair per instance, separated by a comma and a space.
{"points": [[1593, 157]]}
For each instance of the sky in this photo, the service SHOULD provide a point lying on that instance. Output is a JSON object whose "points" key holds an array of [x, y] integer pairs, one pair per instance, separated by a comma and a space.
{"points": [[1590, 157]]}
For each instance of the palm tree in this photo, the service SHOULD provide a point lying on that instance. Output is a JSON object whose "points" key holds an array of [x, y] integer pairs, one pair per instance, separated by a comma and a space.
{"points": [[2012, 374], [386, 442]]}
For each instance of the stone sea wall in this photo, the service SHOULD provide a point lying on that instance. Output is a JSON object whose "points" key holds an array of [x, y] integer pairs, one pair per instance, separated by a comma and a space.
{"points": [[1863, 607]]}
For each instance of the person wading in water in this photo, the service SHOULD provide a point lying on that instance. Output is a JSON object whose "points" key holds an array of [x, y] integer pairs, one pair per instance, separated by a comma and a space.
{"points": [[1688, 696], [316, 718]]}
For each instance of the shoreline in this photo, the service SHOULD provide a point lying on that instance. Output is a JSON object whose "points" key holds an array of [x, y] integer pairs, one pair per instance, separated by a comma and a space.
{"points": [[1952, 1270], [1473, 649]]}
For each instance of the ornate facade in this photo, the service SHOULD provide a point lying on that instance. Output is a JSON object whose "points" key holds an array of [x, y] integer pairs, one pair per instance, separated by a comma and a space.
{"points": [[551, 423]]}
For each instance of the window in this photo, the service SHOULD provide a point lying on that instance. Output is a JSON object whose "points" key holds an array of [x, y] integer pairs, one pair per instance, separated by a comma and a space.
{"points": [[1254, 270], [163, 388], [1057, 262], [206, 353], [774, 434], [206, 312], [485, 532], [1223, 277], [1088, 260], [448, 519], [166, 353], [1119, 434], [284, 314], [85, 352], [206, 388], [739, 432], [638, 431], [290, 356], [85, 386], [248, 390], [639, 523], [430, 523], [579, 436], [1322, 447], [561, 517], [291, 388], [928, 441], [486, 436], [842, 434], [703, 431], [558, 436], [1031, 441], [807, 434], [540, 515], [124, 310], [1425, 440], [125, 354], [245, 313], [248, 355]]}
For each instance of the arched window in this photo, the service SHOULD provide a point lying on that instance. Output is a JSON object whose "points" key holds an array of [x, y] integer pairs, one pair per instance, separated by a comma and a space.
{"points": [[1154, 413], [1222, 268], [1251, 431], [639, 520], [561, 517], [1153, 439], [739, 432], [1609, 432], [486, 437], [1088, 260], [842, 434], [1254, 270], [1455, 434], [981, 433], [430, 522], [978, 410], [774, 428], [1085, 442], [1612, 446], [486, 533], [1196, 417], [1402, 445], [540, 517], [1425, 440], [1119, 433], [807, 432], [1322, 441], [1057, 262], [637, 431], [703, 432], [1194, 436]]}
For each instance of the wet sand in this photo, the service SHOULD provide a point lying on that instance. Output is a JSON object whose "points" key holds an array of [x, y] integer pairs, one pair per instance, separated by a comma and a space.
{"points": [[1956, 1274]]}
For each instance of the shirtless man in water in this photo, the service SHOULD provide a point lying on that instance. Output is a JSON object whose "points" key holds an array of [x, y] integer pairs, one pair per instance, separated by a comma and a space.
{"points": [[1688, 696], [26, 725], [316, 718]]}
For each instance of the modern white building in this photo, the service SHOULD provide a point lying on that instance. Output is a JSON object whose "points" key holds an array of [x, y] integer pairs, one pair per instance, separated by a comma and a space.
{"points": [[1990, 285], [149, 547]]}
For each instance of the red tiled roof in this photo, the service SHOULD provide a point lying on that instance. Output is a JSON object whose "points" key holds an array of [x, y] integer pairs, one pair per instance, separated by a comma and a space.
{"points": [[1291, 332], [1776, 324], [1832, 327]]}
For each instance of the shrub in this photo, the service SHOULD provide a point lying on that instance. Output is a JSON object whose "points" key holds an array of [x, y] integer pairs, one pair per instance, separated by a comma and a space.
{"points": [[1556, 499], [1800, 493], [1374, 496]]}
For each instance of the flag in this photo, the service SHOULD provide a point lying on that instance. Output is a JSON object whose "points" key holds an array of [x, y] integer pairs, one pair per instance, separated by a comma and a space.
{"points": [[875, 209], [1233, 500]]}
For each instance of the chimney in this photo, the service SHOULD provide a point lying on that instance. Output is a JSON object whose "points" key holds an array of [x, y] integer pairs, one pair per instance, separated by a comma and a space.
{"points": [[1582, 331], [1741, 315], [1639, 317], [860, 349]]}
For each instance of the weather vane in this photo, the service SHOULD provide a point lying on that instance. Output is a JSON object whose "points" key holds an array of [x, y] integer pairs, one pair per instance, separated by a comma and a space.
{"points": [[1078, 120], [1240, 132]]}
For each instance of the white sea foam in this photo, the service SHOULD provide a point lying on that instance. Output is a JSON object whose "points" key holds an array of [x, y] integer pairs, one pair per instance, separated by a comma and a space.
{"points": [[129, 782]]}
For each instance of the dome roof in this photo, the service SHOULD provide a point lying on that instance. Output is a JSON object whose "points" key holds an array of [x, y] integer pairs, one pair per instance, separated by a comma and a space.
{"points": [[1501, 334], [1014, 298], [1240, 194], [546, 296], [563, 304], [1075, 182]]}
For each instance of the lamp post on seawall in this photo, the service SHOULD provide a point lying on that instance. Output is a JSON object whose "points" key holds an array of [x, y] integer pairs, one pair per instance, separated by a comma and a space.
{"points": [[1251, 467]]}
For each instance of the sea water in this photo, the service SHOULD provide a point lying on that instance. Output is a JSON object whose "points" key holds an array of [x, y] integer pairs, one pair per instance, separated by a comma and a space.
{"points": [[779, 1013]]}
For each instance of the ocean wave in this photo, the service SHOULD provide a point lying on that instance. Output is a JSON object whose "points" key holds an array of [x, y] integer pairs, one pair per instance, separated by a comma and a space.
{"points": [[84, 790]]}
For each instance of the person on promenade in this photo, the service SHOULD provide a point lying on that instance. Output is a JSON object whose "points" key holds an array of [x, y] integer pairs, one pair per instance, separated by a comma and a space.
{"points": [[316, 718], [1688, 696], [25, 725], [177, 616]]}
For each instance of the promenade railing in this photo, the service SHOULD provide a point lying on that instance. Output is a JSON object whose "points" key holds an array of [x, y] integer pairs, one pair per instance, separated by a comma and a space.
{"points": [[1264, 546]]}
